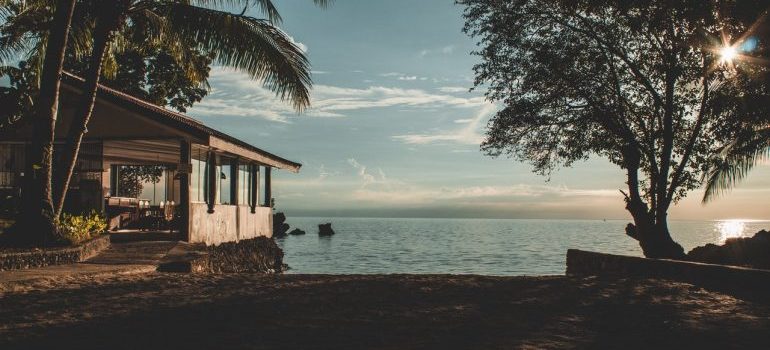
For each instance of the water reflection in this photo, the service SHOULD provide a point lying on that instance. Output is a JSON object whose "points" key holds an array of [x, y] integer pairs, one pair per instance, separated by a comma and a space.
{"points": [[730, 229]]}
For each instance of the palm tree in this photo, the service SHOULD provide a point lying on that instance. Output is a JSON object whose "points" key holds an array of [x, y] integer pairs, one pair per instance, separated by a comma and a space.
{"points": [[38, 216], [253, 45], [735, 161]]}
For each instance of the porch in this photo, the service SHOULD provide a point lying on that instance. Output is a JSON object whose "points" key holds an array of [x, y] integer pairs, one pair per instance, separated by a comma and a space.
{"points": [[151, 169]]}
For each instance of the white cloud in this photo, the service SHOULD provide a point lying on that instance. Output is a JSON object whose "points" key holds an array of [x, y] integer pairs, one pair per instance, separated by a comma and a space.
{"points": [[301, 46], [402, 76], [446, 50], [469, 134], [235, 94], [367, 178], [414, 195], [452, 89]]}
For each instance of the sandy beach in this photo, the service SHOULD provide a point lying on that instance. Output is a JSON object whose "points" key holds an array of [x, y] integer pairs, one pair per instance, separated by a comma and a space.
{"points": [[374, 311]]}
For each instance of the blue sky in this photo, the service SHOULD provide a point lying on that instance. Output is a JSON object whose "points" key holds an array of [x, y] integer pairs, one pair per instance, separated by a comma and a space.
{"points": [[393, 130]]}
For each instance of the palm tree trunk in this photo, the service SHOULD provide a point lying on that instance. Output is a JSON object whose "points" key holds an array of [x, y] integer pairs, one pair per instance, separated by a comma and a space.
{"points": [[36, 222], [79, 124]]}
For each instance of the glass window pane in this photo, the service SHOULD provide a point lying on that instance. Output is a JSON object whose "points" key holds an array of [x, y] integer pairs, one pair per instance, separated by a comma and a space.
{"points": [[225, 180]]}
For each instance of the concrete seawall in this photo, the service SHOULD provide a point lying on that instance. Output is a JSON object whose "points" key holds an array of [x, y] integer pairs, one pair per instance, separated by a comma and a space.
{"points": [[741, 281]]}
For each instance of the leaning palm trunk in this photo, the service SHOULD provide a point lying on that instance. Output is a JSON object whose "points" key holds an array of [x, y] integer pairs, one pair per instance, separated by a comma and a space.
{"points": [[79, 124], [36, 223]]}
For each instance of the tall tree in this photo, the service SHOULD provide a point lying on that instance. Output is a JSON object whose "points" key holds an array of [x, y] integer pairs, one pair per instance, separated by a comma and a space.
{"points": [[181, 29], [37, 224], [247, 43], [640, 83]]}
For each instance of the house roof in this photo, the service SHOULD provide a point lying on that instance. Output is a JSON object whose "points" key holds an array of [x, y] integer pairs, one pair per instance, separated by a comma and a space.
{"points": [[180, 121]]}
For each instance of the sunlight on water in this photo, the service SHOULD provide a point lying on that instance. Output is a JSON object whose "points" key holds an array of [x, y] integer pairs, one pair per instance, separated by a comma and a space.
{"points": [[730, 229], [490, 247]]}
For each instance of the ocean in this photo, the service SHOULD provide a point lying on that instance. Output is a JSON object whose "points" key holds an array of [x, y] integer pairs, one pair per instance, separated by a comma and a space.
{"points": [[505, 247]]}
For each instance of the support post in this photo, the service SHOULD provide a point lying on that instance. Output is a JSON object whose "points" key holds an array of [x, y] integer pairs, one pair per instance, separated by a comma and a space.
{"points": [[253, 199], [211, 181], [268, 190], [184, 168], [235, 178]]}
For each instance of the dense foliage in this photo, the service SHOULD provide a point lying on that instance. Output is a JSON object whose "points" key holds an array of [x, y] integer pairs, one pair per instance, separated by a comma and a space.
{"points": [[75, 229], [17, 98], [155, 76], [640, 83]]}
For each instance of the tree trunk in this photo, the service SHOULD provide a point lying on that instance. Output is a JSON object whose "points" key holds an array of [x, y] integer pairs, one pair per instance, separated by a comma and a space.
{"points": [[649, 229], [79, 124], [654, 237], [36, 223]]}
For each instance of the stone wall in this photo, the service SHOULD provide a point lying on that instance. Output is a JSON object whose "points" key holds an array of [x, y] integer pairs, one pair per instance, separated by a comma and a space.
{"points": [[255, 255], [730, 279], [53, 256]]}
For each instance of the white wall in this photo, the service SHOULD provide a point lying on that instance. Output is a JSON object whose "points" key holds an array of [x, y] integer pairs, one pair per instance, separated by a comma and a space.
{"points": [[228, 223]]}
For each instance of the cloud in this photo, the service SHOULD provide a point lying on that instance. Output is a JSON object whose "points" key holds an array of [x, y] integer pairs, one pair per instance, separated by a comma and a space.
{"points": [[520, 193], [402, 76], [366, 177], [301, 46], [469, 134], [235, 94], [452, 89], [446, 50], [331, 98]]}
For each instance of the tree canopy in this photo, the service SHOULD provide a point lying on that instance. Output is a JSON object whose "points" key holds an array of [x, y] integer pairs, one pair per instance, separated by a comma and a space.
{"points": [[640, 83]]}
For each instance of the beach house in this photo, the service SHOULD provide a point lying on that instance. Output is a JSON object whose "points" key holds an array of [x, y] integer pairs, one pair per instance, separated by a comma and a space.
{"points": [[151, 169]]}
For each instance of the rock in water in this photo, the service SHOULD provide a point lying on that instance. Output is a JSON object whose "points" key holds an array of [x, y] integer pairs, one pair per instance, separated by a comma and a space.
{"points": [[296, 232], [325, 229], [280, 227]]}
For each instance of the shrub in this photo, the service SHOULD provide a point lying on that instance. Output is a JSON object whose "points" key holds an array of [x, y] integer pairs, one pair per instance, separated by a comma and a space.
{"points": [[79, 228]]}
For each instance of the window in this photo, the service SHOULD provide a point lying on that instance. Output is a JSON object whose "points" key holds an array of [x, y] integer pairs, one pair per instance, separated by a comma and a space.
{"points": [[11, 164], [244, 179], [138, 181], [198, 176], [225, 171], [261, 189]]}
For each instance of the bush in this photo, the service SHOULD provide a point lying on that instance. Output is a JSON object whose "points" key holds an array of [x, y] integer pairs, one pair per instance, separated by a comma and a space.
{"points": [[79, 228]]}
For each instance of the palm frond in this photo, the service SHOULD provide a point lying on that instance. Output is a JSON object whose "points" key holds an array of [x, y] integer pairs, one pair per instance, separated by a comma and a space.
{"points": [[265, 6], [735, 162], [248, 44]]}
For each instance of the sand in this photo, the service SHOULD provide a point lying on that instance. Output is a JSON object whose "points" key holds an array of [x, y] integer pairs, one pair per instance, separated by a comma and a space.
{"points": [[158, 310]]}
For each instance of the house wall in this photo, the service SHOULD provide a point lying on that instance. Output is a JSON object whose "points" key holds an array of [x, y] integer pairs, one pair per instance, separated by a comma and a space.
{"points": [[228, 223]]}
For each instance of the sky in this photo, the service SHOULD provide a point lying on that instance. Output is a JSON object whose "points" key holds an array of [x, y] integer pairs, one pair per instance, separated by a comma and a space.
{"points": [[393, 130]]}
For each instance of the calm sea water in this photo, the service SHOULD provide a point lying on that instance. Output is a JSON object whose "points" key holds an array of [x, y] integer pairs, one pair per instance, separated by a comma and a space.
{"points": [[474, 246]]}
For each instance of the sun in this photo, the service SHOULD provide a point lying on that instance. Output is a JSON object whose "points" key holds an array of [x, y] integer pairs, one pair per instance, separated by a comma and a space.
{"points": [[728, 54]]}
